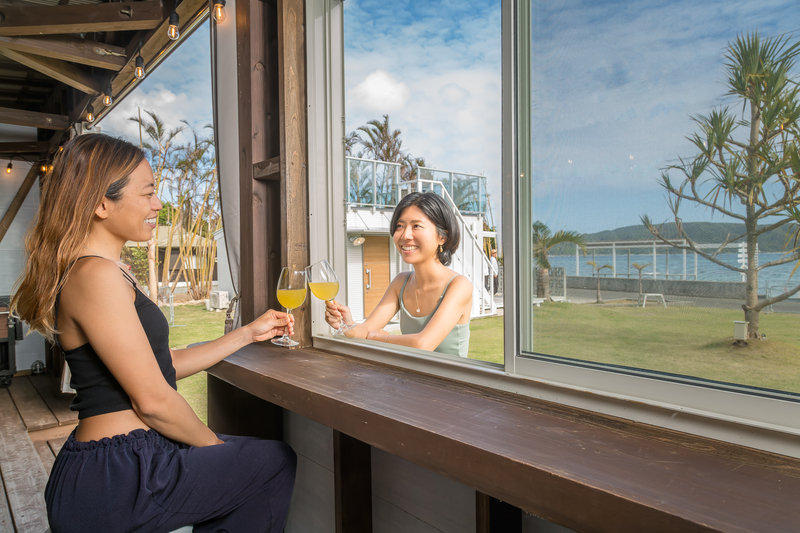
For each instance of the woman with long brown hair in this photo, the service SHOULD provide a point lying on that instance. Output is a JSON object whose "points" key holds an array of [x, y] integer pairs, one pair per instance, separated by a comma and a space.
{"points": [[139, 459]]}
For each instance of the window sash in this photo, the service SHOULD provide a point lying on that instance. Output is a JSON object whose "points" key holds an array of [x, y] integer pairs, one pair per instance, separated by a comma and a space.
{"points": [[759, 422]]}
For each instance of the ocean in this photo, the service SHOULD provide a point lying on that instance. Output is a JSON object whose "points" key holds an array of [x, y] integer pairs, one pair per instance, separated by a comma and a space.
{"points": [[777, 278]]}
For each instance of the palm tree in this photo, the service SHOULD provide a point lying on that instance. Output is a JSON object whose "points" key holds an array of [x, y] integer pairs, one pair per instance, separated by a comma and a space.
{"points": [[596, 270], [639, 267], [380, 142], [543, 242]]}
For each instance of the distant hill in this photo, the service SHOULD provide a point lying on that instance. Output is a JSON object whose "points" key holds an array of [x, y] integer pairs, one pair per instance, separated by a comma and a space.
{"points": [[700, 232]]}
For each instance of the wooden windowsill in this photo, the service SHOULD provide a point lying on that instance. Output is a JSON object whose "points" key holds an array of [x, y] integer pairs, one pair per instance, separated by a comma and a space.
{"points": [[576, 468]]}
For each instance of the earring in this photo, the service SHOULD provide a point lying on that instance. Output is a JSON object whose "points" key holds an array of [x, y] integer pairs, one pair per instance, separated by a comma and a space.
{"points": [[440, 249]]}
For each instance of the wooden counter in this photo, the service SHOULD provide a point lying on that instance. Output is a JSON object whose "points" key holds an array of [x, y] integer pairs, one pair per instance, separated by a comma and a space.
{"points": [[582, 470]]}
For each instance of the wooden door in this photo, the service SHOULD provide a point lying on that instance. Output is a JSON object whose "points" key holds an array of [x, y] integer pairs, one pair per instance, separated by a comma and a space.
{"points": [[377, 275]]}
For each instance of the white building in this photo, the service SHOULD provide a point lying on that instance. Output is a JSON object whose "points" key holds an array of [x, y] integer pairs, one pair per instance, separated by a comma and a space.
{"points": [[373, 190]]}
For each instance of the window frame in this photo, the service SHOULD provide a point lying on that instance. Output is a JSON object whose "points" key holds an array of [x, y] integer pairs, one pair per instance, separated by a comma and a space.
{"points": [[679, 404]]}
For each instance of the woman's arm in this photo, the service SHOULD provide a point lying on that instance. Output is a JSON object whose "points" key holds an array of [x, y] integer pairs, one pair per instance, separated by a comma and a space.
{"points": [[189, 361], [457, 300], [335, 313], [99, 300]]}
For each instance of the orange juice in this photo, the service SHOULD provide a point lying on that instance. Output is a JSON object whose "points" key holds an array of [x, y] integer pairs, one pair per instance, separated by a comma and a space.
{"points": [[291, 298], [324, 290]]}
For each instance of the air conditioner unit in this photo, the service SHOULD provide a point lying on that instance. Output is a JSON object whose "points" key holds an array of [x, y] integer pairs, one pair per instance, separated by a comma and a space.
{"points": [[218, 299]]}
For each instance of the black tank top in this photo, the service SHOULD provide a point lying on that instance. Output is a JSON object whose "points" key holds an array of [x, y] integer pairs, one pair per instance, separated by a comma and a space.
{"points": [[98, 392]]}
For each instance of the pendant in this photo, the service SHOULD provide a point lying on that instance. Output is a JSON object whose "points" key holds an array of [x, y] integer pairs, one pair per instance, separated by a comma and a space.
{"points": [[418, 311]]}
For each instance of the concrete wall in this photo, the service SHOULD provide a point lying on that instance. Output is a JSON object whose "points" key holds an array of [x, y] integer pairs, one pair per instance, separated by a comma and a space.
{"points": [[406, 498], [733, 290]]}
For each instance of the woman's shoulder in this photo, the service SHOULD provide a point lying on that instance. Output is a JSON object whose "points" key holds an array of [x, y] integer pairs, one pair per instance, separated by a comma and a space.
{"points": [[94, 275], [460, 284]]}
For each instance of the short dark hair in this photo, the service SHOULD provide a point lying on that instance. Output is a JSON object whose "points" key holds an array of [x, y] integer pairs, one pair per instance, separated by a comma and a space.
{"points": [[440, 213]]}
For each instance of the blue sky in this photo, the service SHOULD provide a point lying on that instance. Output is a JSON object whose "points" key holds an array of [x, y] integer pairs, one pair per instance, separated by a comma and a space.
{"points": [[179, 89], [614, 86]]}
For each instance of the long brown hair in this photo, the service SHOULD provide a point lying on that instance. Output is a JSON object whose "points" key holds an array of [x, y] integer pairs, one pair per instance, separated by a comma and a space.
{"points": [[89, 168]]}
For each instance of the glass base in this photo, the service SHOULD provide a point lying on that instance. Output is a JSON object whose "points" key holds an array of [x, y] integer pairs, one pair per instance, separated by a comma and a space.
{"points": [[341, 331], [285, 341]]}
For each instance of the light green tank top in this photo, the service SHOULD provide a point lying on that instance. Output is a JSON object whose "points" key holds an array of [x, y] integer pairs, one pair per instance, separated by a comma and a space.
{"points": [[456, 342]]}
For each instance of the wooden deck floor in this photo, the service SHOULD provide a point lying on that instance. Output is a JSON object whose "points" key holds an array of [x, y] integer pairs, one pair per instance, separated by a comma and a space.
{"points": [[35, 420]]}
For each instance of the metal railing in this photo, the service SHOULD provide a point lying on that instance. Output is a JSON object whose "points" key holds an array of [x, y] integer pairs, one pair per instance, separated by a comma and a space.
{"points": [[372, 183]]}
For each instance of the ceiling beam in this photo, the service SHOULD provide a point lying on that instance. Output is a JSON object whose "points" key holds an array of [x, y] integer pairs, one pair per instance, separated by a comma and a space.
{"points": [[32, 147], [59, 70], [19, 117], [106, 17], [73, 49]]}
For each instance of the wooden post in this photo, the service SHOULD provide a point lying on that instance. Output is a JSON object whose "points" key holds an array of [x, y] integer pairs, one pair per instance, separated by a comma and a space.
{"points": [[18, 200], [352, 465], [294, 149]]}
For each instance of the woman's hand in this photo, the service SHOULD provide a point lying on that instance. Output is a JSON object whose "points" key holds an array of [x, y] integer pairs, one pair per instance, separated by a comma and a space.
{"points": [[271, 324], [337, 315]]}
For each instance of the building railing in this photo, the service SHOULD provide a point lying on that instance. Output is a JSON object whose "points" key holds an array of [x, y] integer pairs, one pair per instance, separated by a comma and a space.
{"points": [[379, 184]]}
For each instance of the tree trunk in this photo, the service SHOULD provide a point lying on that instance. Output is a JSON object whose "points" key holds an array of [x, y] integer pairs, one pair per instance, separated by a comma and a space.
{"points": [[152, 277], [751, 315], [599, 300], [640, 283], [543, 285]]}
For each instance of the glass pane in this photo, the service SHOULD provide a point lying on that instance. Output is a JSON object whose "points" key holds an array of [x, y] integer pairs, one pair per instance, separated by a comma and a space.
{"points": [[660, 207], [361, 183], [423, 114]]}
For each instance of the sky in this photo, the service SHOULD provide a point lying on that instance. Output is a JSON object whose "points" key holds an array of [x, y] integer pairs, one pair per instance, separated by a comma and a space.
{"points": [[615, 84], [179, 89]]}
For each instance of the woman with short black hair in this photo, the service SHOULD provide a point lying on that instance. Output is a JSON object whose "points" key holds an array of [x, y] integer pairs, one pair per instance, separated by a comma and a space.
{"points": [[434, 302]]}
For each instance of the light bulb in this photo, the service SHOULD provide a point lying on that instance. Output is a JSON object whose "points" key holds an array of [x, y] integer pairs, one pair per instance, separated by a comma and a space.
{"points": [[43, 168], [9, 167], [173, 32], [139, 70], [107, 100], [49, 168], [219, 10], [90, 114]]}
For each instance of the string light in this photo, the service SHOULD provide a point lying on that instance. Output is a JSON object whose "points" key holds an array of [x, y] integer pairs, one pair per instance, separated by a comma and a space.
{"points": [[219, 10], [107, 99], [90, 114], [173, 32], [9, 167], [139, 70], [43, 168]]}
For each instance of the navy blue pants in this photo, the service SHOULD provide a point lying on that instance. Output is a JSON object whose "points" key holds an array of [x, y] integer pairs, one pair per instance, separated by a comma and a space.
{"points": [[145, 482]]}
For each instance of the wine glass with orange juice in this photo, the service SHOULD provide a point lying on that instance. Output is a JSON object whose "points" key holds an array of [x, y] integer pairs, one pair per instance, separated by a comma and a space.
{"points": [[324, 285], [291, 294]]}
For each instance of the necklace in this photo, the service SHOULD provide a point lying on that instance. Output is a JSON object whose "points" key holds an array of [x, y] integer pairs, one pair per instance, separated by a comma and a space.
{"points": [[415, 293], [120, 263]]}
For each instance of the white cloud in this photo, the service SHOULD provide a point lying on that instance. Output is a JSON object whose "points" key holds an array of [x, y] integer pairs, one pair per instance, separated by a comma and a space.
{"points": [[381, 92]]}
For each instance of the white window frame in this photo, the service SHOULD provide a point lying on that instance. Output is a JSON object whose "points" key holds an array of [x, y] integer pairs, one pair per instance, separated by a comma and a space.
{"points": [[762, 422]]}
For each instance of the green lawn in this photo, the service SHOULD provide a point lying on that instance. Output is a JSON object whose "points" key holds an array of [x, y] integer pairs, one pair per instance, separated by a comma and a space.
{"points": [[198, 325], [692, 341]]}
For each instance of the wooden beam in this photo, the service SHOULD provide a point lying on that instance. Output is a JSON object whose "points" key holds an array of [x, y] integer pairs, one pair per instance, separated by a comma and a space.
{"points": [[294, 147], [352, 480], [63, 19], [47, 121], [58, 70], [268, 170], [32, 147], [73, 49], [18, 200]]}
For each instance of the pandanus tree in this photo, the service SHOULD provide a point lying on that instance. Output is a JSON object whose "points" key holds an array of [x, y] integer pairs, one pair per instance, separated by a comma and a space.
{"points": [[639, 267], [543, 242], [597, 270], [747, 165]]}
